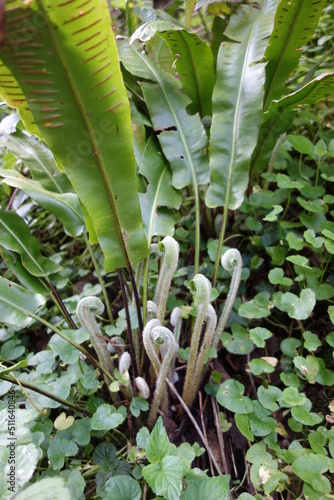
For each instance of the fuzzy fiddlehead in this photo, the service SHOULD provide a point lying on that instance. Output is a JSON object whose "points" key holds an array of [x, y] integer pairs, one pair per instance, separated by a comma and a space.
{"points": [[231, 261], [170, 247], [149, 344], [176, 322], [124, 363], [142, 387], [152, 309], [202, 287], [162, 337], [87, 310], [211, 323], [123, 368]]}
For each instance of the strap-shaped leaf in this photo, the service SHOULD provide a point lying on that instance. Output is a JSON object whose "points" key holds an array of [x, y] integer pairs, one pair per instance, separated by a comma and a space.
{"points": [[192, 59], [295, 22], [16, 303], [65, 206], [182, 136], [33, 283], [281, 113], [159, 193], [194, 64], [15, 236], [35, 154], [64, 59], [237, 103]]}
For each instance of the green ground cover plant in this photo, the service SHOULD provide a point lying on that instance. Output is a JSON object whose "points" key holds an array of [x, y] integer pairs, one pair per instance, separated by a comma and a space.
{"points": [[166, 235]]}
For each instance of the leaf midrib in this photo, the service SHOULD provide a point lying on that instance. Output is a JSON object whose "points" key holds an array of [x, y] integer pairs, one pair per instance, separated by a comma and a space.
{"points": [[282, 54], [236, 115], [179, 127], [41, 190], [154, 205], [24, 248], [45, 170], [91, 135]]}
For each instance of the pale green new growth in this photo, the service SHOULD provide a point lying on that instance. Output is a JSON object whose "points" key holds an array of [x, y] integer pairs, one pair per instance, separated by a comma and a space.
{"points": [[87, 310], [143, 388], [231, 260], [170, 247], [202, 287], [163, 337], [205, 336]]}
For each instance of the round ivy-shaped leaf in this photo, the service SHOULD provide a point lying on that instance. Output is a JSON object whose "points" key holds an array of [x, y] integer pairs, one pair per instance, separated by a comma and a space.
{"points": [[312, 239], [104, 453], [310, 468], [157, 446], [309, 366], [290, 379], [259, 307], [165, 477], [259, 366], [137, 405], [213, 488], [243, 424], [67, 352], [311, 341], [187, 454], [48, 488], [291, 397], [142, 437], [239, 342], [108, 417], [330, 339], [315, 206], [276, 277], [121, 488], [12, 349], [60, 448], [289, 347], [298, 307], [262, 426], [284, 182], [74, 482], [295, 426], [274, 481], [257, 453], [230, 395], [268, 397], [63, 422], [305, 417], [259, 335], [330, 311], [272, 216], [325, 377], [317, 442]]}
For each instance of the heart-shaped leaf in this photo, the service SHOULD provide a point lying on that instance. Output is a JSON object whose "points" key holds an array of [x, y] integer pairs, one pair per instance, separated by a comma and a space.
{"points": [[230, 395], [62, 422], [108, 417]]}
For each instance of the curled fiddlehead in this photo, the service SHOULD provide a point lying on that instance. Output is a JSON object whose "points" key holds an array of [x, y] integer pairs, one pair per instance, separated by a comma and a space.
{"points": [[142, 387], [231, 261], [163, 337], [202, 287], [170, 247], [87, 310]]}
